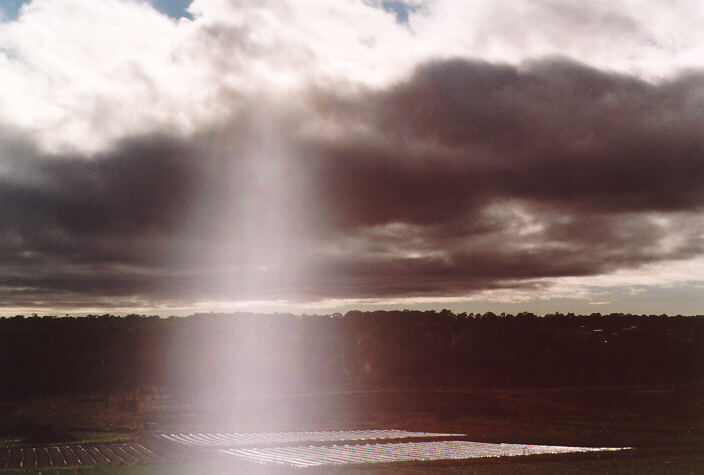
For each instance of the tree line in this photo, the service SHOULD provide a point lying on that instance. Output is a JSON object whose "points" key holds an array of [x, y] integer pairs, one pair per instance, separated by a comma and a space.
{"points": [[252, 354]]}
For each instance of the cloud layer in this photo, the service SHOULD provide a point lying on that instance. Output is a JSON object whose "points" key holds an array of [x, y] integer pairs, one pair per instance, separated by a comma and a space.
{"points": [[275, 150]]}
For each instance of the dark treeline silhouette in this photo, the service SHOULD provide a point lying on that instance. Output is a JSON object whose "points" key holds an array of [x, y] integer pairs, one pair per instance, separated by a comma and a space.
{"points": [[252, 354]]}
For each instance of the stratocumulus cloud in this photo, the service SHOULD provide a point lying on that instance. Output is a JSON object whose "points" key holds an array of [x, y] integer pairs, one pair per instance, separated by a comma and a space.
{"points": [[237, 155]]}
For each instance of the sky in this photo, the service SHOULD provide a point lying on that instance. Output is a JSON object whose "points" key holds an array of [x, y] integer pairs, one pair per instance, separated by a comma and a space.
{"points": [[308, 156]]}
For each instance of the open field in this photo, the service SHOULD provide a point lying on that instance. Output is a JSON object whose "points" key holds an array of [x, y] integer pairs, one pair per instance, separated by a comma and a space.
{"points": [[663, 424]]}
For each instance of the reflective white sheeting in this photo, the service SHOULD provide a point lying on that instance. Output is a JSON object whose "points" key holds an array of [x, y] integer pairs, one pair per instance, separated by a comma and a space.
{"points": [[309, 456], [241, 439]]}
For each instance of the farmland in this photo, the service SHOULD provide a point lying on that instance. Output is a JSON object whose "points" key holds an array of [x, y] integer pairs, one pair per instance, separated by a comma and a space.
{"points": [[290, 449], [110, 386], [661, 423], [315, 456], [59, 456]]}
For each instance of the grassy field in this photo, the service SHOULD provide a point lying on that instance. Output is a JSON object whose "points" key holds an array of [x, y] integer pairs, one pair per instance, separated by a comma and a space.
{"points": [[664, 424]]}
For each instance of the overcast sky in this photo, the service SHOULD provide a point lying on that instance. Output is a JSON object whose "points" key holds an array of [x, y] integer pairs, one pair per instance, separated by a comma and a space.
{"points": [[316, 156]]}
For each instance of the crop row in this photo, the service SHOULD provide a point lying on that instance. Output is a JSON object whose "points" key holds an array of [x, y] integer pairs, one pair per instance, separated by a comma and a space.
{"points": [[243, 439], [76, 455], [391, 452]]}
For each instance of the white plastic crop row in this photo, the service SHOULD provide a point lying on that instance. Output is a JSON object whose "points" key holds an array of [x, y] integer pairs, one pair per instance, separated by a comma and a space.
{"points": [[235, 439], [393, 452]]}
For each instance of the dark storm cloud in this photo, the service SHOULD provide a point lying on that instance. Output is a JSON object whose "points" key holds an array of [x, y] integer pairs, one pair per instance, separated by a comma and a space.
{"points": [[459, 134], [141, 187], [590, 156], [153, 219], [470, 262], [92, 225], [465, 176]]}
